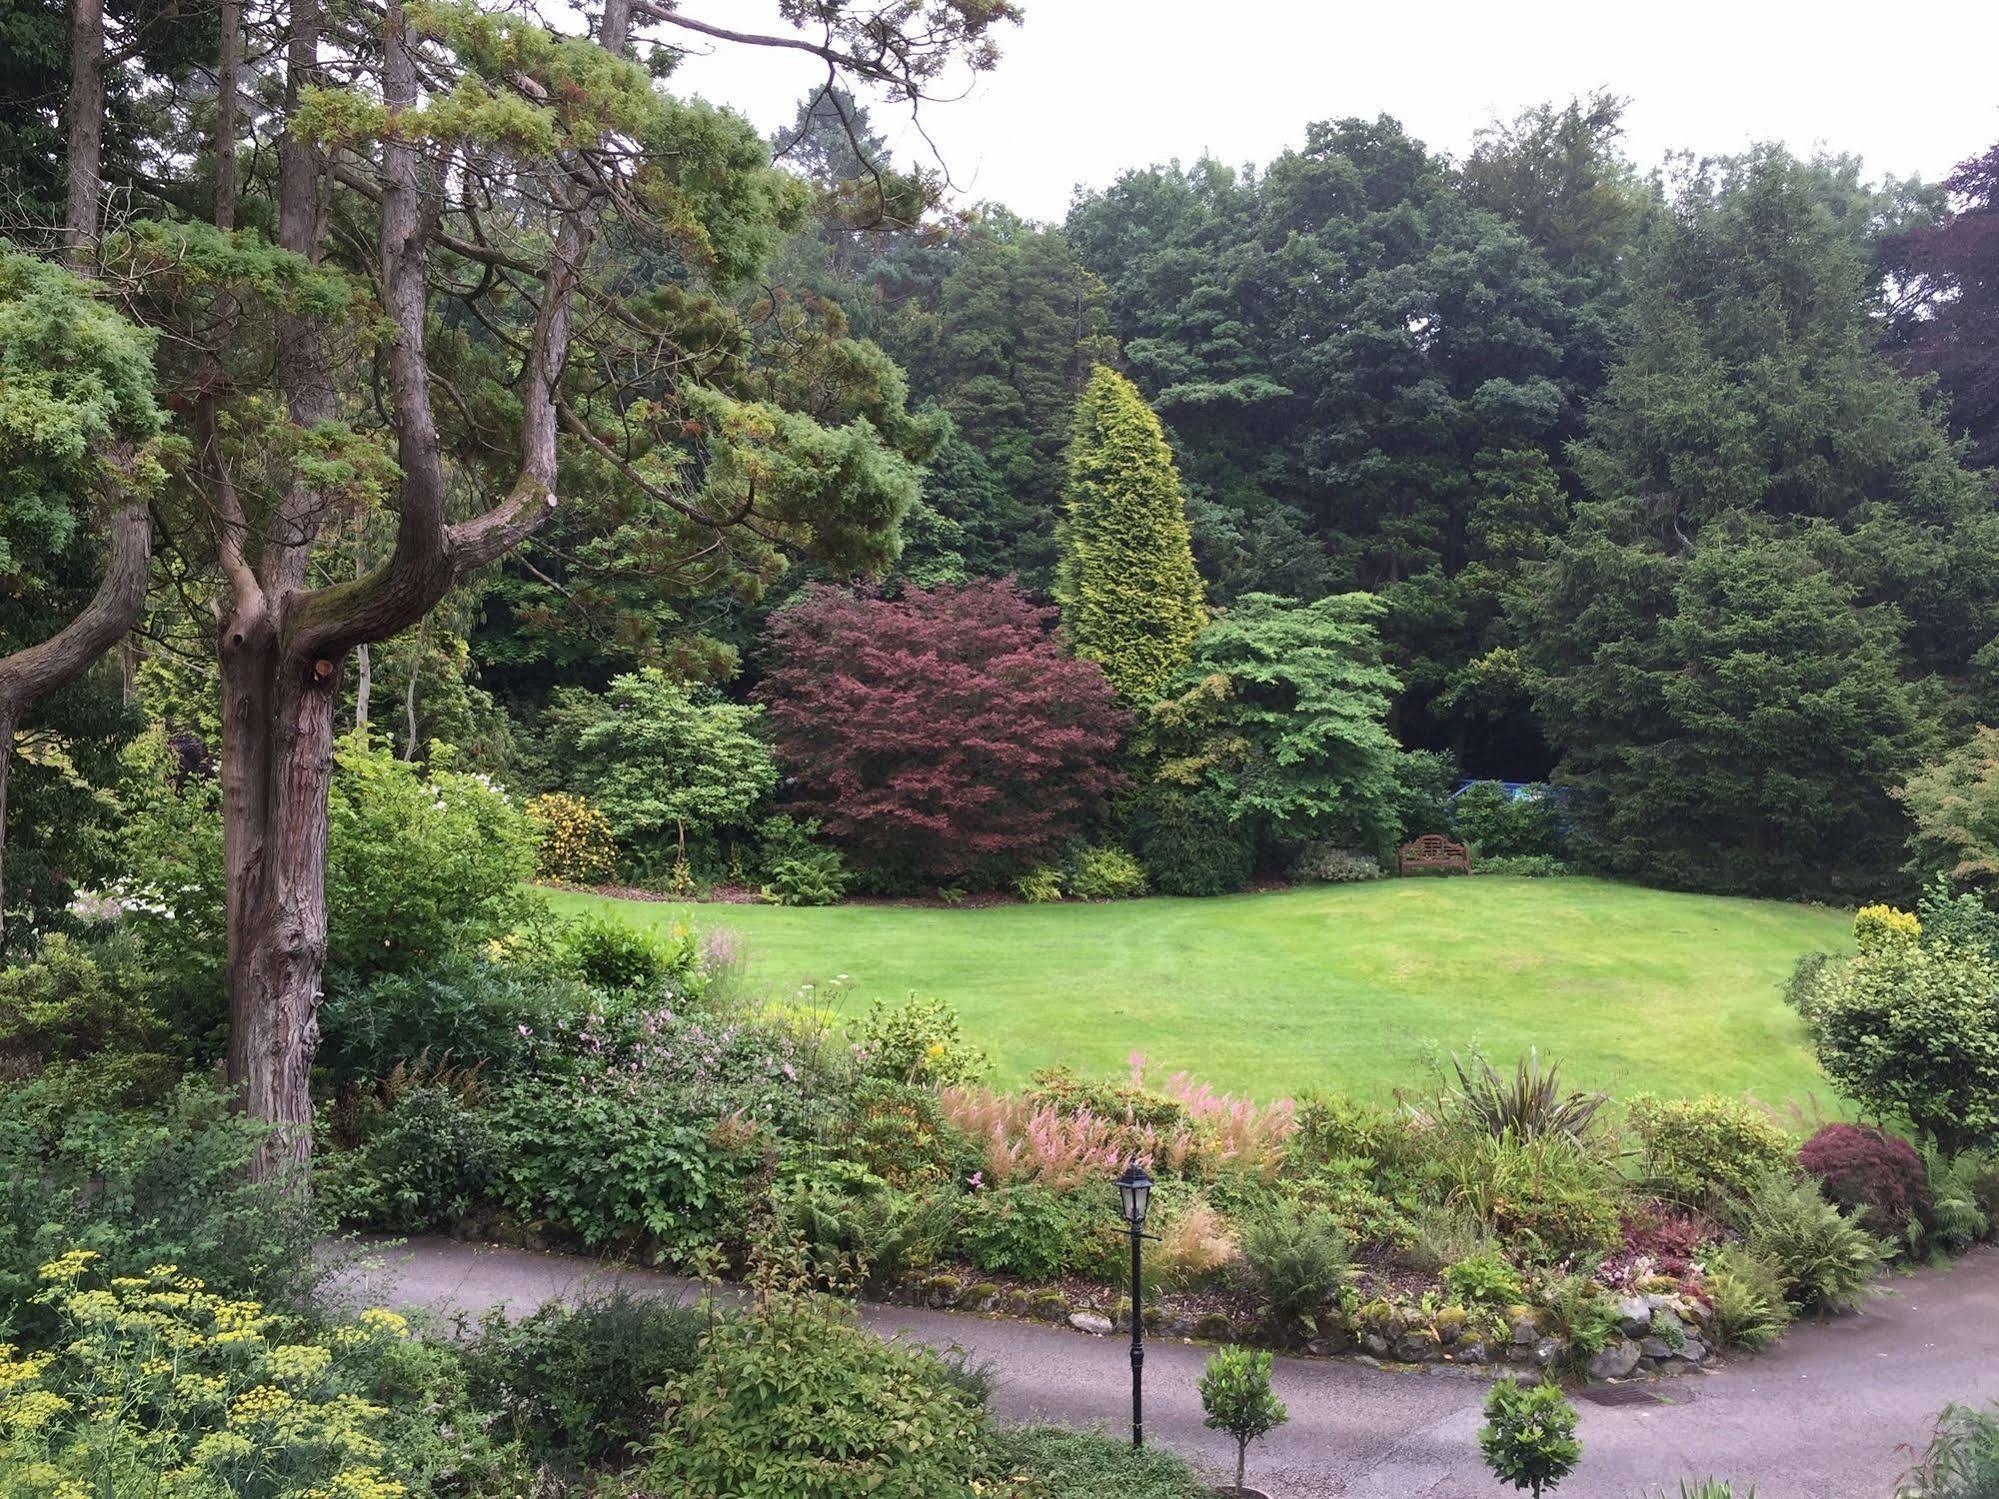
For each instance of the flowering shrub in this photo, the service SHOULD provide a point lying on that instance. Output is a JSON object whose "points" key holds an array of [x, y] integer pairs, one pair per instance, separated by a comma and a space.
{"points": [[1876, 1174], [155, 1384], [917, 1041], [574, 844], [1021, 1142]]}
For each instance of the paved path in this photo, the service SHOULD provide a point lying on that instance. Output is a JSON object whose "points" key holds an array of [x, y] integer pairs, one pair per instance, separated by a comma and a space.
{"points": [[1824, 1416]]}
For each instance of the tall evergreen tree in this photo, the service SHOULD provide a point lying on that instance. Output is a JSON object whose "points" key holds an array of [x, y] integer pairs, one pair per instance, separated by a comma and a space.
{"points": [[1129, 591]]}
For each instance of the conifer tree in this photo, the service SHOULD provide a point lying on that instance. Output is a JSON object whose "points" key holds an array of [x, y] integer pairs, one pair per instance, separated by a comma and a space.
{"points": [[1130, 595]]}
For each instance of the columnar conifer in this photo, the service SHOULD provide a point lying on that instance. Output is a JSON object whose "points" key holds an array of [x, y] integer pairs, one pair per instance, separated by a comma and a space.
{"points": [[1130, 595]]}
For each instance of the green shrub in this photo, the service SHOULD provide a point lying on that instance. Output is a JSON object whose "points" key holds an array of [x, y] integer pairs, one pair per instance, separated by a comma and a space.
{"points": [[1962, 1458], [857, 1230], [1529, 1105], [606, 953], [1825, 1260], [1957, 918], [578, 1384], [1329, 864], [898, 1131], [1747, 1291], [1700, 1151], [1106, 874], [1187, 848], [466, 1008], [1054, 1462], [812, 877], [1529, 1436], [163, 1184], [1548, 1199], [1964, 1197], [1523, 866], [917, 1041], [796, 1401], [1236, 1398], [1502, 825], [1910, 1031], [425, 1161], [1026, 1230], [1296, 1264], [574, 844], [1485, 1279], [1581, 1315], [1040, 886], [156, 1384], [63, 1004]]}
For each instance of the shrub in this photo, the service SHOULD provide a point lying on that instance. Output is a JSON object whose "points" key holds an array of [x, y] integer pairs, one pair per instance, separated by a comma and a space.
{"points": [[1529, 1436], [858, 1230], [1236, 1398], [1911, 1031], [940, 736], [1953, 804], [1529, 1106], [609, 954], [811, 877], [1025, 1230], [1106, 874], [1700, 1151], [1187, 846], [917, 1041], [1502, 825], [1054, 1462], [466, 1008], [1195, 1245], [163, 1184], [1825, 1260], [1328, 864], [1962, 1458], [1546, 1199], [1296, 1263], [1876, 1175], [574, 843], [425, 1161], [1964, 1198], [796, 1401], [1957, 918], [1747, 1293], [154, 1383], [1485, 1279], [1879, 927], [1579, 1313], [1523, 866], [664, 765], [898, 1131], [62, 1004], [578, 1385], [1041, 885]]}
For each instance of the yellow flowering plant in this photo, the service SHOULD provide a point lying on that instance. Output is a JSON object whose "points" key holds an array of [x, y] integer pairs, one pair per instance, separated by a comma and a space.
{"points": [[575, 845], [157, 1385]]}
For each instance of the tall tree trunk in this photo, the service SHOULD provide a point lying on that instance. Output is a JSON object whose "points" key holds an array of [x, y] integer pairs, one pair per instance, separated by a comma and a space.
{"points": [[83, 130]]}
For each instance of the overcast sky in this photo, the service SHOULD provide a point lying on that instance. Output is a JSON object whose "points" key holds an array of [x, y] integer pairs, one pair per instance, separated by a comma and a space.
{"points": [[1090, 87]]}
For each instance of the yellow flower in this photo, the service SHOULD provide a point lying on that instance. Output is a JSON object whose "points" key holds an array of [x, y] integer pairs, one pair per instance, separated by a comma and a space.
{"points": [[66, 1267], [381, 1319], [264, 1403], [30, 1410], [298, 1363]]}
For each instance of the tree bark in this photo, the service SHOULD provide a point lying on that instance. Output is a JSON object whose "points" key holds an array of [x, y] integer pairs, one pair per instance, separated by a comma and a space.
{"points": [[83, 131]]}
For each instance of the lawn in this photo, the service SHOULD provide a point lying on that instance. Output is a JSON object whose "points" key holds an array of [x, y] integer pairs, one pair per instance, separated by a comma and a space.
{"points": [[1347, 987]]}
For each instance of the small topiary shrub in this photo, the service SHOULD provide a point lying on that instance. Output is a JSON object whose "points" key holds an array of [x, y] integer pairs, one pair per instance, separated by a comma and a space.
{"points": [[1700, 1151], [1236, 1398], [1876, 1175], [1825, 1260], [1529, 1436], [1106, 874], [574, 844], [1329, 864]]}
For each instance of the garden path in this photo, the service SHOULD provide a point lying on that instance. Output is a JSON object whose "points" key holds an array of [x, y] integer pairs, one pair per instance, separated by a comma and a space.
{"points": [[1823, 1416]]}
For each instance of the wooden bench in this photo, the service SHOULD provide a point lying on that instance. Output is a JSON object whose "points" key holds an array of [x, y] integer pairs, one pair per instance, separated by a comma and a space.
{"points": [[1434, 851]]}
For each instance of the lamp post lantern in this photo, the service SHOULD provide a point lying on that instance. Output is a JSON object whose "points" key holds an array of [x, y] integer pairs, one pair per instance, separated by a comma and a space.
{"points": [[1134, 1197]]}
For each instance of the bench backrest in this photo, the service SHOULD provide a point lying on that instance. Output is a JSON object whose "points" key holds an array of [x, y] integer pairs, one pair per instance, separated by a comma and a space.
{"points": [[1435, 851]]}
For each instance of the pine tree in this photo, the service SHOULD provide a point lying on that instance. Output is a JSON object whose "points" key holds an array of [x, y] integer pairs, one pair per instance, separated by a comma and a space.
{"points": [[1130, 595]]}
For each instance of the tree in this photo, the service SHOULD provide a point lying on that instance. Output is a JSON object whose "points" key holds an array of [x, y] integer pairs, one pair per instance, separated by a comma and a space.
{"points": [[1778, 561], [478, 218], [661, 766], [1236, 1398], [1953, 804], [1130, 595], [941, 736], [1529, 1436], [1282, 720], [1946, 322]]}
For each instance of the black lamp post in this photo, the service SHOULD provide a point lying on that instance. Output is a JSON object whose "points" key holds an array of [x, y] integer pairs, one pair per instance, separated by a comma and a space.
{"points": [[1135, 1195]]}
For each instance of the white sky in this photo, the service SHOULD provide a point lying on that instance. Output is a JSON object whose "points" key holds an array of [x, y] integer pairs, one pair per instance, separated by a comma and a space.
{"points": [[1088, 88]]}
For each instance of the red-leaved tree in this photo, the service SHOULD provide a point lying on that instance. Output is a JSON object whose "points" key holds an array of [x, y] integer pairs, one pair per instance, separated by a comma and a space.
{"points": [[943, 735]]}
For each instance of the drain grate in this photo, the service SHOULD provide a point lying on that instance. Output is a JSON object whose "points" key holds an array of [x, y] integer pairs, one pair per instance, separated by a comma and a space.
{"points": [[1627, 1394]]}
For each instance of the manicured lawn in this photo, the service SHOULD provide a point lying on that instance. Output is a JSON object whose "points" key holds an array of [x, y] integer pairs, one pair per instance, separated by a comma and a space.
{"points": [[1344, 987]]}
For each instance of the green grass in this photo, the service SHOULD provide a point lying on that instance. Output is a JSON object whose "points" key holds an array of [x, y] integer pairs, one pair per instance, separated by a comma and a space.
{"points": [[1347, 987]]}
